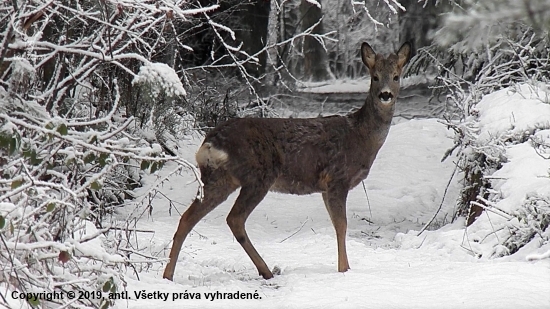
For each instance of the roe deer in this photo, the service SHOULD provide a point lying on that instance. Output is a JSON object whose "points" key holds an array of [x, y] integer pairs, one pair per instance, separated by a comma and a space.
{"points": [[330, 155]]}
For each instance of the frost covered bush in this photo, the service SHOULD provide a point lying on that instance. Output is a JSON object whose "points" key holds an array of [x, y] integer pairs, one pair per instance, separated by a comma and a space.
{"points": [[58, 177], [494, 75], [466, 76], [70, 149], [160, 103], [507, 151], [214, 100], [533, 218]]}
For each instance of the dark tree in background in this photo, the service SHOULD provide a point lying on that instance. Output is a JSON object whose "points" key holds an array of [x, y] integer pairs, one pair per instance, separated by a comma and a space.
{"points": [[417, 23], [253, 33], [315, 56]]}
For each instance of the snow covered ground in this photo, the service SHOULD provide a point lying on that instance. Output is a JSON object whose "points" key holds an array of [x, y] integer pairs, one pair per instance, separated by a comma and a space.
{"points": [[356, 85], [390, 268]]}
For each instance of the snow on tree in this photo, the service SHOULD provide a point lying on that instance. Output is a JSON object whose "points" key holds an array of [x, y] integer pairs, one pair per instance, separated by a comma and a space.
{"points": [[161, 78]]}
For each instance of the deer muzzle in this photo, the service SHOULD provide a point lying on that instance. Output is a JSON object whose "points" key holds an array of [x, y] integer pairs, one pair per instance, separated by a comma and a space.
{"points": [[385, 97]]}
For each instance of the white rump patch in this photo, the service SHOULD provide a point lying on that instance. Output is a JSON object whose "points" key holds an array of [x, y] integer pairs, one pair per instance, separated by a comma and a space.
{"points": [[208, 155]]}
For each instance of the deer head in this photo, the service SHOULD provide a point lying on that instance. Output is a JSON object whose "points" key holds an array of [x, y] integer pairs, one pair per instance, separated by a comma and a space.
{"points": [[385, 72]]}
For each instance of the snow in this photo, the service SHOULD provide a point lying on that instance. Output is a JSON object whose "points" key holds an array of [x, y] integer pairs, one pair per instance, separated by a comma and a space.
{"points": [[6, 209], [391, 267], [355, 85], [317, 4], [160, 76], [337, 86], [513, 111]]}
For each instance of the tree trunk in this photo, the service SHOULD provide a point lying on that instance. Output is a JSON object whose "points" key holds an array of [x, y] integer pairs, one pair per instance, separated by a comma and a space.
{"points": [[417, 23], [254, 32], [315, 56], [272, 39]]}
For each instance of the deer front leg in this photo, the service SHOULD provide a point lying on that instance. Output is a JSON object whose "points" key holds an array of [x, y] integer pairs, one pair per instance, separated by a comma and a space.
{"points": [[335, 201]]}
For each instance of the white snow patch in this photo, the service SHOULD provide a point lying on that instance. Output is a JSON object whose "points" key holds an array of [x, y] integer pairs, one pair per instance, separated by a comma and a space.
{"points": [[6, 208], [513, 112]]}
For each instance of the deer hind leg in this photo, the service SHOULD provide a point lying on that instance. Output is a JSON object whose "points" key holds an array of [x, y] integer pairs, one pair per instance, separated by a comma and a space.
{"points": [[218, 185], [335, 201], [249, 197]]}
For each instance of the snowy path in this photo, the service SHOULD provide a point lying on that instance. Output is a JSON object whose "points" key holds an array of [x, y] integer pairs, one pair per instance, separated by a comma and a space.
{"points": [[405, 187], [341, 96]]}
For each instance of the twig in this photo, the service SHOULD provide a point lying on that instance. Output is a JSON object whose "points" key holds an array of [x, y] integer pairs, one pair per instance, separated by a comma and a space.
{"points": [[493, 232], [304, 223], [368, 201], [442, 200], [492, 227], [365, 219], [131, 229], [423, 240], [492, 209], [94, 235], [138, 253]]}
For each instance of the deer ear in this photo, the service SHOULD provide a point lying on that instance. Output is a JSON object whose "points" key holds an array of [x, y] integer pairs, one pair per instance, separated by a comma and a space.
{"points": [[368, 55], [404, 54]]}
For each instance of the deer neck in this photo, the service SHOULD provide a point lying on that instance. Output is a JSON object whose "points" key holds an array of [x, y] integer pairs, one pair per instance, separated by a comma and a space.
{"points": [[374, 114]]}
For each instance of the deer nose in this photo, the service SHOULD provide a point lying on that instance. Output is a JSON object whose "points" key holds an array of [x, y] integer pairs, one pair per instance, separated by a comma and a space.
{"points": [[385, 96]]}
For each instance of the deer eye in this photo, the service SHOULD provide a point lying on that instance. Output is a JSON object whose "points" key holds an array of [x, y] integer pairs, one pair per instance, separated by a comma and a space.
{"points": [[375, 78], [396, 78]]}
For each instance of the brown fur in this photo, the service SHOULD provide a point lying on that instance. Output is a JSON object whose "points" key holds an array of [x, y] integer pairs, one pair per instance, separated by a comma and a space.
{"points": [[330, 155]]}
